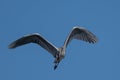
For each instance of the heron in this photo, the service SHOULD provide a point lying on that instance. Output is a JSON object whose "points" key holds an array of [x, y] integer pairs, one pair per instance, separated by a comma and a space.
{"points": [[79, 33]]}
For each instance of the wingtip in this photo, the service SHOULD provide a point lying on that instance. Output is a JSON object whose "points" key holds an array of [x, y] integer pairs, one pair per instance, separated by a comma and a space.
{"points": [[95, 40], [11, 46]]}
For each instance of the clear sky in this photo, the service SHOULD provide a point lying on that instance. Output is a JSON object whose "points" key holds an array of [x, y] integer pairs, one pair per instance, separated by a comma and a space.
{"points": [[54, 19]]}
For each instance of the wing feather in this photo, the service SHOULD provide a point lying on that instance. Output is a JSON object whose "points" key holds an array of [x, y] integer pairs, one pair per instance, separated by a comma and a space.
{"points": [[80, 33], [35, 38]]}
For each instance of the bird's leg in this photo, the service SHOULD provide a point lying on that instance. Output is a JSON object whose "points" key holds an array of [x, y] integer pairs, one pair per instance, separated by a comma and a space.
{"points": [[56, 65], [57, 60]]}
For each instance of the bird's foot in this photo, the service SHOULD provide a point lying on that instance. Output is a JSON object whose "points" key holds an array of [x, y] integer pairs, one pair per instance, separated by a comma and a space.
{"points": [[56, 65]]}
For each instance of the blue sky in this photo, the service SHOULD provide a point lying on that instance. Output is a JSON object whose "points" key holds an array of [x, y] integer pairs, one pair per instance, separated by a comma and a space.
{"points": [[54, 19]]}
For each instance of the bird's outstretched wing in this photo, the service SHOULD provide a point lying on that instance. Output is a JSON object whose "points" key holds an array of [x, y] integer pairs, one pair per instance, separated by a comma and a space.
{"points": [[80, 33], [35, 38]]}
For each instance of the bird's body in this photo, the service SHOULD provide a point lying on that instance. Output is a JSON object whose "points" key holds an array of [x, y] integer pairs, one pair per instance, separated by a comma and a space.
{"points": [[79, 33]]}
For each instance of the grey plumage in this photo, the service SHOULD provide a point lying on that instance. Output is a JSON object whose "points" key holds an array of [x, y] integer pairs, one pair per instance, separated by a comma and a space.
{"points": [[35, 38], [79, 33]]}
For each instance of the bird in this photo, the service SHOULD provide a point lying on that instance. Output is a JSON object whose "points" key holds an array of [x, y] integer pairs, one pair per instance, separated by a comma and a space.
{"points": [[79, 33]]}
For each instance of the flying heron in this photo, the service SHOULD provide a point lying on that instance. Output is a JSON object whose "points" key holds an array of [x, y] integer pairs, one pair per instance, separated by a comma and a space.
{"points": [[79, 33]]}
